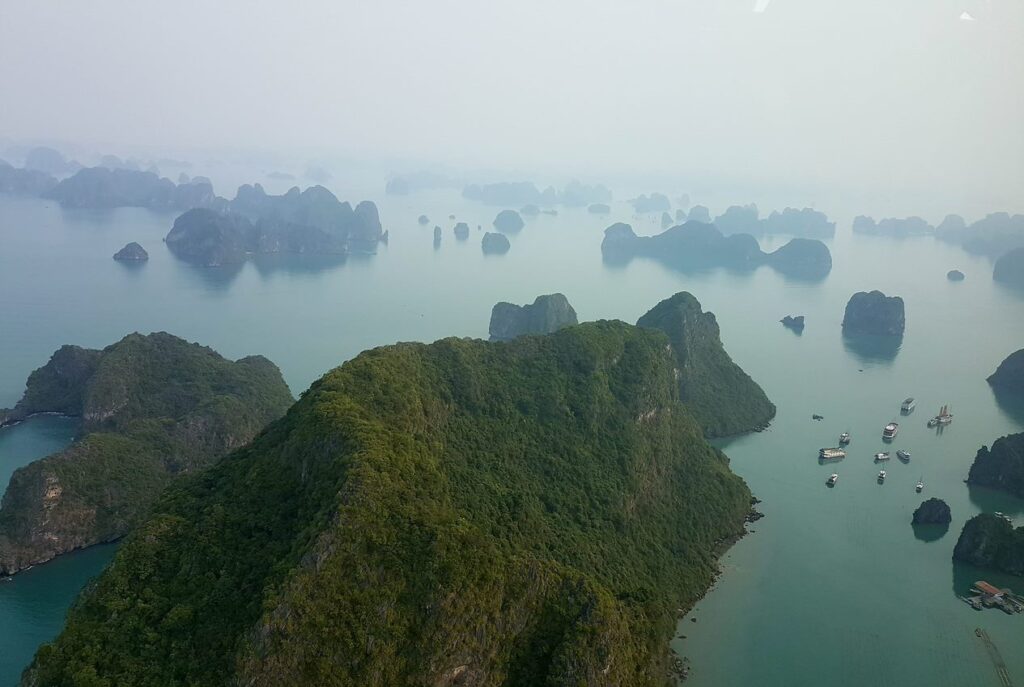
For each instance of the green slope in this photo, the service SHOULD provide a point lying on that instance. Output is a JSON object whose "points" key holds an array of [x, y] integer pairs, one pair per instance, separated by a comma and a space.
{"points": [[521, 513]]}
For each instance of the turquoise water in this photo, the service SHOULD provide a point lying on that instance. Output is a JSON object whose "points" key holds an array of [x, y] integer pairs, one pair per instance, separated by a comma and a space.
{"points": [[833, 588]]}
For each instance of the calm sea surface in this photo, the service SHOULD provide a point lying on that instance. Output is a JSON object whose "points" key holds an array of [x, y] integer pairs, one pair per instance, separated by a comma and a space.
{"points": [[833, 588]]}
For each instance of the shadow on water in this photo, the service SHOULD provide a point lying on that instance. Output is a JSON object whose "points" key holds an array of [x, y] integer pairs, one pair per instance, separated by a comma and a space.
{"points": [[965, 575], [930, 533], [214, 278], [296, 264], [992, 500], [872, 348], [132, 267], [1010, 405]]}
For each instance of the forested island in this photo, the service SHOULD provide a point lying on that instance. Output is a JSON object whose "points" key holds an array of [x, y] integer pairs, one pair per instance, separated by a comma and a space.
{"points": [[545, 315], [520, 193], [993, 235], [150, 408], [1009, 268], [892, 227], [1002, 466], [746, 219], [875, 314], [529, 512], [104, 188], [694, 246], [990, 541], [312, 221]]}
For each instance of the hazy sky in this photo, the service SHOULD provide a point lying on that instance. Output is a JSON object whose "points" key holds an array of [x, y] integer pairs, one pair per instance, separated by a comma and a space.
{"points": [[884, 94]]}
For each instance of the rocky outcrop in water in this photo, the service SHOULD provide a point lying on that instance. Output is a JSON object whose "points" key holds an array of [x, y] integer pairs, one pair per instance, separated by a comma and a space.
{"points": [[24, 182], [461, 231], [955, 275], [656, 202], [599, 209], [1008, 378], [932, 512], [495, 244], [508, 222], [794, 323], [874, 313], [989, 541], [49, 161], [545, 315], [103, 188], [1002, 466], [423, 220], [1009, 269], [132, 252], [523, 193], [892, 227], [699, 213], [529, 210], [694, 246], [150, 409], [994, 235]]}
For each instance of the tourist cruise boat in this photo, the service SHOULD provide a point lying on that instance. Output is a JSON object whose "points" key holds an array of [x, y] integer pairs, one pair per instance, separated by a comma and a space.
{"points": [[884, 455], [881, 476], [844, 438], [920, 486], [831, 453], [832, 480], [943, 418], [903, 455], [889, 433], [908, 406]]}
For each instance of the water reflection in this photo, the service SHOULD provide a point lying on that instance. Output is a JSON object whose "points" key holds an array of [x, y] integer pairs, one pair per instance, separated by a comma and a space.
{"points": [[292, 263], [930, 533], [992, 500], [873, 348], [1010, 404]]}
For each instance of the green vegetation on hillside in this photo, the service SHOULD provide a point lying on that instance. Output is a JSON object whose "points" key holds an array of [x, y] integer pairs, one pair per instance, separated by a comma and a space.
{"points": [[1002, 467], [722, 397], [989, 541], [522, 513], [150, 407]]}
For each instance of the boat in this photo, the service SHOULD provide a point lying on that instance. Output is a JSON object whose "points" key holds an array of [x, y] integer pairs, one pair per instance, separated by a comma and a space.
{"points": [[884, 455], [844, 438], [920, 486], [881, 476], [943, 418], [831, 453], [903, 455], [890, 431], [908, 406], [831, 481]]}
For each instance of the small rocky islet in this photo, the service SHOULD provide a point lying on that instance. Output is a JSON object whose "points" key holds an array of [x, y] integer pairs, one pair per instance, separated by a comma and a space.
{"points": [[545, 315], [132, 252], [874, 314]]}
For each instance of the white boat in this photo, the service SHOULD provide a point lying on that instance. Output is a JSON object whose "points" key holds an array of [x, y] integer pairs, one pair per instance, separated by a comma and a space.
{"points": [[908, 406], [881, 475], [903, 455], [882, 456], [832, 480], [831, 453], [890, 431], [844, 438], [920, 486]]}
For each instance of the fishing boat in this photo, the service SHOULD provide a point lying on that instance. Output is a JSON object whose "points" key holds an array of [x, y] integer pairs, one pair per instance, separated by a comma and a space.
{"points": [[883, 455], [908, 406], [881, 476], [903, 455], [844, 438], [920, 486], [831, 453], [943, 418], [890, 431], [831, 481]]}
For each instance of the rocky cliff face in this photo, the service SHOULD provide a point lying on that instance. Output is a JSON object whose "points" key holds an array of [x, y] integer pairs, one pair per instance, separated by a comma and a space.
{"points": [[874, 313], [1008, 379], [696, 246], [459, 513], [132, 252], [1009, 269], [102, 188], [545, 315], [508, 222], [989, 541], [1002, 466], [151, 408], [722, 397], [24, 182], [495, 244], [932, 512]]}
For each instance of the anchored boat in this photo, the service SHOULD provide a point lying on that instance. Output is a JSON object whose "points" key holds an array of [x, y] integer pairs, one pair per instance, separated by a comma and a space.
{"points": [[908, 406], [881, 476], [831, 481], [903, 455], [890, 431], [920, 486], [943, 418], [883, 455], [844, 438], [831, 453]]}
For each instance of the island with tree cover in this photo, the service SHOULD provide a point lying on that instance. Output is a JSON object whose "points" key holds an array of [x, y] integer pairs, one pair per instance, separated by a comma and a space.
{"points": [[1008, 379], [24, 182], [696, 246], [992, 236], [494, 243], [519, 193], [105, 188], [874, 313], [892, 227], [150, 409], [508, 222], [1002, 466], [1009, 268], [313, 221], [990, 541], [463, 512], [804, 223], [545, 315], [132, 252]]}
